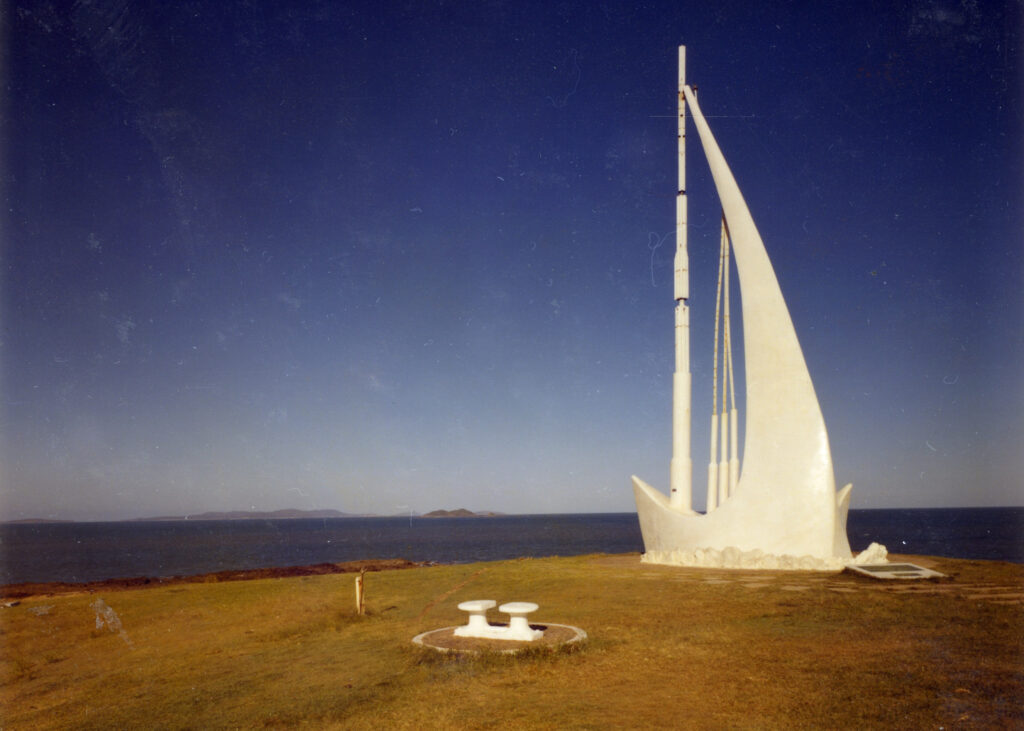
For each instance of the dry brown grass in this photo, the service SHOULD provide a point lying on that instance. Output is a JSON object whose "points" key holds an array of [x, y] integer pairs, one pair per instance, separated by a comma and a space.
{"points": [[668, 648]]}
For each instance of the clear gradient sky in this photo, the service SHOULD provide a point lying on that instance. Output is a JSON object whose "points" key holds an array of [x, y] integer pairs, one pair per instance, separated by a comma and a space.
{"points": [[385, 257]]}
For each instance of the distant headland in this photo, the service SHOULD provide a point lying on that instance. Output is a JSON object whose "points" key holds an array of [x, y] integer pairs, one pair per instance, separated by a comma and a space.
{"points": [[36, 520], [460, 513], [285, 514]]}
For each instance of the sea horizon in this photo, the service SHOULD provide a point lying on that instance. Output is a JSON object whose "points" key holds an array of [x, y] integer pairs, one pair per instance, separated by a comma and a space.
{"points": [[88, 551], [331, 513]]}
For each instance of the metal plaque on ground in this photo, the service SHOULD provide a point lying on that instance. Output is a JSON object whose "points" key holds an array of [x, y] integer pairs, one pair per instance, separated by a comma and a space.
{"points": [[895, 571]]}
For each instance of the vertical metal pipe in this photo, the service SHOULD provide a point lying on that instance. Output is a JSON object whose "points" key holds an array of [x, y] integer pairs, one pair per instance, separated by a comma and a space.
{"points": [[734, 462], [734, 458], [712, 501], [681, 468], [727, 384], [723, 465]]}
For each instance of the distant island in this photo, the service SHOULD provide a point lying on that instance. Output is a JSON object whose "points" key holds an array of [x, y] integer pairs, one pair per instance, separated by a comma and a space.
{"points": [[460, 513], [285, 514]]}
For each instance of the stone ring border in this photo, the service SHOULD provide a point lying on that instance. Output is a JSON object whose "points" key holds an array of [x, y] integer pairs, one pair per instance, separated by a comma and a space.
{"points": [[421, 640]]}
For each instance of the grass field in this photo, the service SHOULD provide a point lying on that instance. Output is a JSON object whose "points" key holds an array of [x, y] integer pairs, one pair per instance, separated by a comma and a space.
{"points": [[667, 647]]}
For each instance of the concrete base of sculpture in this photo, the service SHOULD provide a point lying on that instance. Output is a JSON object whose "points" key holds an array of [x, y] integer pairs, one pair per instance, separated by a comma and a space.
{"points": [[795, 523], [478, 635], [733, 558], [445, 640]]}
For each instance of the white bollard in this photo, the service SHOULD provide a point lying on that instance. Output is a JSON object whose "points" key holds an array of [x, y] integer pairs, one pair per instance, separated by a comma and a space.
{"points": [[518, 627], [478, 625]]}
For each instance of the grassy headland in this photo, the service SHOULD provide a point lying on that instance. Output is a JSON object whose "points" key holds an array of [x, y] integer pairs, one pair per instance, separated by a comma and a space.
{"points": [[668, 647]]}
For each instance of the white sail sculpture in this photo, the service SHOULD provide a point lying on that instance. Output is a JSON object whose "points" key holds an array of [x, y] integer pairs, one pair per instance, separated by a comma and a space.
{"points": [[782, 509]]}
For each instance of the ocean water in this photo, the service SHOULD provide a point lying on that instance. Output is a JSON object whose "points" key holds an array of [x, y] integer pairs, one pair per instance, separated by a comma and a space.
{"points": [[995, 534], [78, 552]]}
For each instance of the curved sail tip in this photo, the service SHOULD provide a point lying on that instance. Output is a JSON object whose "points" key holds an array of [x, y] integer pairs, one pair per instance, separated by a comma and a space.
{"points": [[637, 482]]}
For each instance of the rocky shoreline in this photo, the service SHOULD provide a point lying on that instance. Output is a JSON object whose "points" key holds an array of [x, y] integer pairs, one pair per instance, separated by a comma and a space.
{"points": [[25, 590]]}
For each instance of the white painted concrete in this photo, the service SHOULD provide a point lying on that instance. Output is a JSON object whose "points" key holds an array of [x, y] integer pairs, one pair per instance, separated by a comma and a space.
{"points": [[784, 502], [733, 558], [433, 640], [478, 623], [478, 626], [518, 627], [681, 465]]}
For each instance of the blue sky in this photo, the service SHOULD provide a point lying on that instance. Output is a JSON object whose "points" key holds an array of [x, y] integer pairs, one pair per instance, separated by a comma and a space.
{"points": [[379, 258]]}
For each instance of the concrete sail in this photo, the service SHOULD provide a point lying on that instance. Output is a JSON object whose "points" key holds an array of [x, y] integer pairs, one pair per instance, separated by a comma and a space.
{"points": [[785, 502]]}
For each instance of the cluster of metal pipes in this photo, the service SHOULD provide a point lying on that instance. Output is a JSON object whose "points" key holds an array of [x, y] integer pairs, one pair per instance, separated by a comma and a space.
{"points": [[724, 464]]}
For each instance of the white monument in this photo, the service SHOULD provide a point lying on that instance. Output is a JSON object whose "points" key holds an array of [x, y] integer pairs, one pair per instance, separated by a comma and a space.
{"points": [[781, 510], [516, 629]]}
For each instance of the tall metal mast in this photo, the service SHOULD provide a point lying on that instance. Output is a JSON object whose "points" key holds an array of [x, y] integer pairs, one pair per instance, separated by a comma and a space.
{"points": [[681, 469]]}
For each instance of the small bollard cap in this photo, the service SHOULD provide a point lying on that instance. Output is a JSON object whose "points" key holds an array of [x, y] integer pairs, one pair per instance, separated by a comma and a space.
{"points": [[477, 605]]}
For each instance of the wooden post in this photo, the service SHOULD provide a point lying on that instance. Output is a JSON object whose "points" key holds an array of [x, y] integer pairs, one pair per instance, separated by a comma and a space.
{"points": [[360, 604]]}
